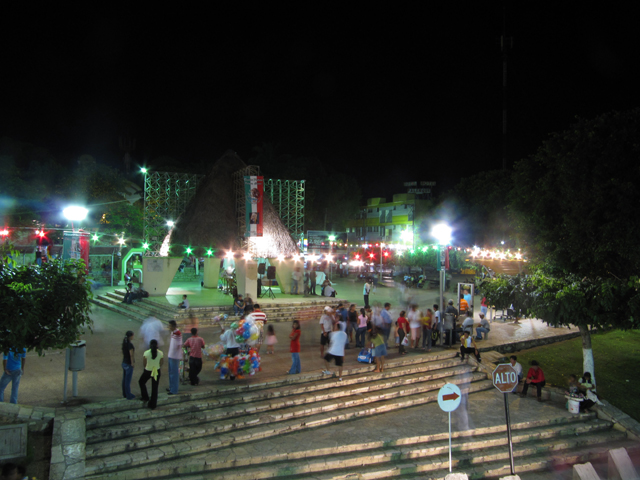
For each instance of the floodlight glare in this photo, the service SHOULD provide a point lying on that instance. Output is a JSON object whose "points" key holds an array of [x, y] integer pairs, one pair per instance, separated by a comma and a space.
{"points": [[442, 233], [143, 170], [332, 237], [75, 214], [169, 223]]}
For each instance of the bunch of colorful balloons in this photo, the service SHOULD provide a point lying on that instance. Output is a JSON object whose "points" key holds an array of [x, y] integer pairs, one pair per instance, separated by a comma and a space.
{"points": [[247, 330], [214, 350], [238, 366]]}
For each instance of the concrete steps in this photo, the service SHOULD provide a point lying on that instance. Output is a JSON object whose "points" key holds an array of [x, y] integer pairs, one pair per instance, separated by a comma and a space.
{"points": [[278, 312], [134, 440]]}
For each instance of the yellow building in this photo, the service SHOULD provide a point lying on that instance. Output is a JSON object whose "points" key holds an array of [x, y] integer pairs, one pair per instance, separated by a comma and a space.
{"points": [[382, 221]]}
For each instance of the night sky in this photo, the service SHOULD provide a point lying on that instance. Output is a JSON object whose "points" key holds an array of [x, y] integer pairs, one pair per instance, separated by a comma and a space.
{"points": [[385, 94]]}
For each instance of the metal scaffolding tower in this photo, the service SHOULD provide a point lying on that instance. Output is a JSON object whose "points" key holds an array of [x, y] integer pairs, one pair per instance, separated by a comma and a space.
{"points": [[287, 196], [166, 196], [238, 184]]}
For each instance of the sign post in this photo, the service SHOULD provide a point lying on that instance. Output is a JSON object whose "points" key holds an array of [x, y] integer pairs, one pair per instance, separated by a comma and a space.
{"points": [[449, 399], [505, 379]]}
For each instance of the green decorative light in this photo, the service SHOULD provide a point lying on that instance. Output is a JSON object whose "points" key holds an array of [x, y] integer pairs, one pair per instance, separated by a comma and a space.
{"points": [[332, 237], [95, 237], [189, 250], [209, 252], [145, 245], [143, 170]]}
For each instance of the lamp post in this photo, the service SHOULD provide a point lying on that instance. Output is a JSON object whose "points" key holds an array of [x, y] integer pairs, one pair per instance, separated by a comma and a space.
{"points": [[74, 359], [381, 247], [442, 233]]}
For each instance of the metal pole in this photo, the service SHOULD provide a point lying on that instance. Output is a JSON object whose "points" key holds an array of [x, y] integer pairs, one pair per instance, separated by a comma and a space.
{"points": [[450, 443], [66, 374], [112, 269], [74, 383], [506, 412], [442, 281]]}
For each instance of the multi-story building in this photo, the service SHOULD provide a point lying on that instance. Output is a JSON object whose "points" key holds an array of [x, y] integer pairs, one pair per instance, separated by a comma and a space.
{"points": [[382, 221]]}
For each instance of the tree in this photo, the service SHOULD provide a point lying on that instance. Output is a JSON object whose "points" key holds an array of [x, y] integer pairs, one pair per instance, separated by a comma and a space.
{"points": [[43, 307], [575, 202]]}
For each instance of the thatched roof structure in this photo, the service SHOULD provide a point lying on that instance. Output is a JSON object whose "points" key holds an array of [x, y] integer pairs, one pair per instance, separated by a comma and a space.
{"points": [[210, 218]]}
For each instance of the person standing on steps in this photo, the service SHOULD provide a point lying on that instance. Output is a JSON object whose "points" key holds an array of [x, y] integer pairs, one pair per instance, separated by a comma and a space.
{"points": [[312, 278], [296, 277], [427, 330], [365, 291], [362, 328], [195, 344], [337, 341], [175, 356], [326, 325], [535, 377], [352, 323], [403, 328], [379, 348], [415, 323], [128, 362], [295, 348], [387, 322], [152, 361]]}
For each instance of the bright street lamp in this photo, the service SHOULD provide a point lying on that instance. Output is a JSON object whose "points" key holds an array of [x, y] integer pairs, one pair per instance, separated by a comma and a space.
{"points": [[75, 214], [442, 233]]}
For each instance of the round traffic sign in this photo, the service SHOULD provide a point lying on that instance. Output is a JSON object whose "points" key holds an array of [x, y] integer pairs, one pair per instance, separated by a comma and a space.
{"points": [[449, 397], [505, 377]]}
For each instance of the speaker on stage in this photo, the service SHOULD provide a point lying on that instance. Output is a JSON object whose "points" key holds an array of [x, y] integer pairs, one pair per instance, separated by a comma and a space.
{"points": [[261, 268], [271, 273]]}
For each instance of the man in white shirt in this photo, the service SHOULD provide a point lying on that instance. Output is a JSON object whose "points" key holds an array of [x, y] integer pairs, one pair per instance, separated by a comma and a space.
{"points": [[329, 291], [326, 325], [337, 339], [518, 368], [467, 325], [175, 356], [296, 277], [228, 338]]}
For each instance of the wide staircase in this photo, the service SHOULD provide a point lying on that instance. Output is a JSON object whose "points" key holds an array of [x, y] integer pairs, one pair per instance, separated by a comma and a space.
{"points": [[276, 312], [274, 429]]}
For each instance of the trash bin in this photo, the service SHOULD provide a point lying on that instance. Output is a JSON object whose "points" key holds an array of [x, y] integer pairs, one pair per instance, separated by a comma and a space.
{"points": [[77, 355]]}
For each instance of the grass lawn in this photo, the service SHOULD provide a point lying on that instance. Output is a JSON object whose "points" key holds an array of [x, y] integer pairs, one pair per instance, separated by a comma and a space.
{"points": [[615, 354]]}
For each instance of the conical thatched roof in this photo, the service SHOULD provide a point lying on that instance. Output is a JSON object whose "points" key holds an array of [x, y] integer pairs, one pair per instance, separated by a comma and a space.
{"points": [[210, 217]]}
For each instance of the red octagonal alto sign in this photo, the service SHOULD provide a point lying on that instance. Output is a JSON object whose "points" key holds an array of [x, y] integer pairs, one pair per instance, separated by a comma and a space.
{"points": [[505, 377]]}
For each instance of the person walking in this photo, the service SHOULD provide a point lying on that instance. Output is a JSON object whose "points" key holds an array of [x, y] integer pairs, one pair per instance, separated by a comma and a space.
{"points": [[128, 362], [403, 329], [326, 325], [352, 324], [12, 371], [379, 348], [195, 344], [427, 330], [362, 328], [152, 361], [415, 323], [175, 356], [294, 348], [337, 341], [271, 339], [365, 291], [387, 322]]}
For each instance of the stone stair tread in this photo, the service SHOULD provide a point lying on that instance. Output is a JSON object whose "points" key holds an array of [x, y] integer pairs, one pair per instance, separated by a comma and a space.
{"points": [[230, 412], [225, 423], [430, 456], [328, 386], [310, 382], [253, 432]]}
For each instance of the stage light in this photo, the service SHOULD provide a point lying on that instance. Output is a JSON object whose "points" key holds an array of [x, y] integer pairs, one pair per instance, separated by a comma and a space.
{"points": [[229, 254], [246, 256], [143, 170], [280, 258]]}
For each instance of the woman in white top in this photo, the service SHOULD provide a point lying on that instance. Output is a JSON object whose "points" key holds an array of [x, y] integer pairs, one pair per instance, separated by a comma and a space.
{"points": [[415, 324], [152, 360]]}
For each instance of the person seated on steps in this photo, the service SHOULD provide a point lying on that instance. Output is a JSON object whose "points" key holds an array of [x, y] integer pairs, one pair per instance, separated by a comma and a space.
{"points": [[238, 306], [468, 346], [184, 303], [535, 377], [467, 325], [483, 328]]}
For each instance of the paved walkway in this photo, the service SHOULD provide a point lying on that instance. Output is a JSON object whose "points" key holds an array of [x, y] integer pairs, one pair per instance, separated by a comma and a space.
{"points": [[42, 383]]}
